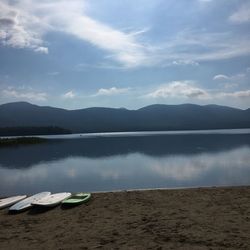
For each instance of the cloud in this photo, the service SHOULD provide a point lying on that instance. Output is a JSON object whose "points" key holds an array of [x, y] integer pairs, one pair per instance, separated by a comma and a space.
{"points": [[189, 90], [199, 45], [231, 79], [242, 15], [20, 29], [221, 77], [236, 94], [25, 24], [111, 91], [24, 94], [123, 47], [186, 89], [102, 65], [42, 50], [69, 95], [185, 62], [7, 22]]}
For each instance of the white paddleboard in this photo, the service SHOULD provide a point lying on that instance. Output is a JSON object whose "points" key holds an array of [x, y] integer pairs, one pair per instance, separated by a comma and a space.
{"points": [[6, 202], [27, 203], [52, 200]]}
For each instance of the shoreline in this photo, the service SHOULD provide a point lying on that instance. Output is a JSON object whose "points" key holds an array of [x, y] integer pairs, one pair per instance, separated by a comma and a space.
{"points": [[193, 218], [18, 141], [142, 190], [227, 131], [170, 188]]}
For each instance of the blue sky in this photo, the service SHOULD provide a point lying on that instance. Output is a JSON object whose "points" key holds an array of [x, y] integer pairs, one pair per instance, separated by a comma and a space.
{"points": [[133, 53]]}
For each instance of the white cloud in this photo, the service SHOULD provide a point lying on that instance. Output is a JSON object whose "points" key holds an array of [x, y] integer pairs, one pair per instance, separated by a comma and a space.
{"points": [[42, 50], [24, 24], [20, 29], [189, 90], [102, 65], [236, 94], [111, 91], [185, 62], [69, 95], [199, 45], [231, 80], [24, 94], [189, 47], [242, 15], [123, 47], [186, 89], [221, 77]]}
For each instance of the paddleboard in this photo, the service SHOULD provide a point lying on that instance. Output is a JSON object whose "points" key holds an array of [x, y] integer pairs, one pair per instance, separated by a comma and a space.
{"points": [[77, 198], [27, 203], [6, 202], [52, 200]]}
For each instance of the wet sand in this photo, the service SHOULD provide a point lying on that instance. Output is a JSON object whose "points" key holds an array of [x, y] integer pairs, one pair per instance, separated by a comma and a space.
{"points": [[201, 218]]}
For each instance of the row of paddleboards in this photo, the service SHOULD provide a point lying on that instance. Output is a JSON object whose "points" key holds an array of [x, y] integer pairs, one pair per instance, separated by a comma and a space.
{"points": [[44, 199]]}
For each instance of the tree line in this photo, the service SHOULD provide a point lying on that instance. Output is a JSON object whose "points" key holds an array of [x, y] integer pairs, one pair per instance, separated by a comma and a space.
{"points": [[24, 131]]}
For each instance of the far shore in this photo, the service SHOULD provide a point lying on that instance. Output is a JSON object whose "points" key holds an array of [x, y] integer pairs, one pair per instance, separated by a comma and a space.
{"points": [[195, 218], [131, 133], [20, 140]]}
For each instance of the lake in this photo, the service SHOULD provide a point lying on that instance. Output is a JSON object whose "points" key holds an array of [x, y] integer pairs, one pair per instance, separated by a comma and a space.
{"points": [[119, 161]]}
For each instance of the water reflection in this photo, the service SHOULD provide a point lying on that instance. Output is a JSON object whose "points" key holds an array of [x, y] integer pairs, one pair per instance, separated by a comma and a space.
{"points": [[155, 146], [95, 164]]}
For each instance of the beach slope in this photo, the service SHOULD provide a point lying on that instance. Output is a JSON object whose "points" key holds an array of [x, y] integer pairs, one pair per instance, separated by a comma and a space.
{"points": [[200, 218]]}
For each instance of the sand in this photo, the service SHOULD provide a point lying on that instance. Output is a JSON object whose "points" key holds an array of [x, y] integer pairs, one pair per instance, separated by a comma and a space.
{"points": [[201, 218]]}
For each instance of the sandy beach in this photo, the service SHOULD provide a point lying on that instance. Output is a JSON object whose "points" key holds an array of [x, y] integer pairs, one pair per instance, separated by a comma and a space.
{"points": [[200, 218]]}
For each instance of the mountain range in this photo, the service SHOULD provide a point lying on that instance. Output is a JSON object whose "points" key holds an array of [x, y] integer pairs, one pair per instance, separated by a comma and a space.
{"points": [[150, 118]]}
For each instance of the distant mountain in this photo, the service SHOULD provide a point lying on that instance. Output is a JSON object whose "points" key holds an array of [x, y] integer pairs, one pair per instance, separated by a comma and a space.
{"points": [[153, 117]]}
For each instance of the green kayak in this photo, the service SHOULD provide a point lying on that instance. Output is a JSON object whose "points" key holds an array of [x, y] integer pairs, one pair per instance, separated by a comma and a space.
{"points": [[77, 198]]}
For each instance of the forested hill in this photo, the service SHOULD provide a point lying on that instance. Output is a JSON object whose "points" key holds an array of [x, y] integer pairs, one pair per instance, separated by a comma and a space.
{"points": [[154, 117]]}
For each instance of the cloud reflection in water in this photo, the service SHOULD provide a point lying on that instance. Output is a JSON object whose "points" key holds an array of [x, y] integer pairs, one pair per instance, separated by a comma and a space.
{"points": [[134, 170]]}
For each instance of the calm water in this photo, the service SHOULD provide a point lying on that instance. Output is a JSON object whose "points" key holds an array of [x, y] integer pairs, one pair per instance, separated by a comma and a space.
{"points": [[101, 162]]}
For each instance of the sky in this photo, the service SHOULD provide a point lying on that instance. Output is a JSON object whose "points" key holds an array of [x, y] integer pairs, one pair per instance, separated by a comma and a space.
{"points": [[125, 53]]}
